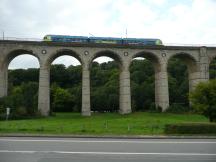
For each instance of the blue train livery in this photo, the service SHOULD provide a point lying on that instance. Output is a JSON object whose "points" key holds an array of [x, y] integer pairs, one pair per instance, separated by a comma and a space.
{"points": [[105, 40]]}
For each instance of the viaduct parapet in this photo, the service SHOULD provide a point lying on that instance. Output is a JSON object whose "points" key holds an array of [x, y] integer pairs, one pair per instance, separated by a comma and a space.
{"points": [[197, 60]]}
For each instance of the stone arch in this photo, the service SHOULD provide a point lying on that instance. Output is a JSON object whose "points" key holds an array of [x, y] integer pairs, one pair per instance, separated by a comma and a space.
{"points": [[4, 66], [11, 55], [51, 58], [150, 56], [189, 60], [155, 62], [107, 96], [192, 76], [107, 53], [62, 52]]}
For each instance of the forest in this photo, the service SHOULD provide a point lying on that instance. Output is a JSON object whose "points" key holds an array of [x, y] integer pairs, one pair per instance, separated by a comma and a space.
{"points": [[65, 83]]}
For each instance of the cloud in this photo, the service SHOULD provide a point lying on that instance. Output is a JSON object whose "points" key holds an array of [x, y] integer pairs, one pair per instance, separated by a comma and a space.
{"points": [[66, 60], [173, 21], [27, 61], [166, 19]]}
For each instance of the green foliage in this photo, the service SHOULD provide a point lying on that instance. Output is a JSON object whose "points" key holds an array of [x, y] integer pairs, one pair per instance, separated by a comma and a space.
{"points": [[178, 82], [66, 90], [76, 93], [137, 123], [18, 76], [178, 108], [105, 87], [59, 75], [142, 85], [24, 95], [62, 100], [30, 97], [212, 69], [190, 128], [22, 100], [203, 99], [66, 77]]}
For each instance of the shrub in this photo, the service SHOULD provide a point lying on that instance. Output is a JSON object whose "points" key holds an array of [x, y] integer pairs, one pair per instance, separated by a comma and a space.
{"points": [[203, 99], [190, 128], [22, 100], [62, 100], [177, 108]]}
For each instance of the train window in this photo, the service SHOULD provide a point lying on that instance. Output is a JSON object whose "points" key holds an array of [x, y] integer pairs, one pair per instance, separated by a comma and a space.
{"points": [[68, 39]]}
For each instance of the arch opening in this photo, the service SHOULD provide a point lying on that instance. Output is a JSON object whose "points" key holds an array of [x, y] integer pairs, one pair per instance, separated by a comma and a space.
{"points": [[24, 61], [104, 78], [105, 56], [75, 58], [22, 82], [20, 52], [142, 74], [180, 80], [65, 83]]}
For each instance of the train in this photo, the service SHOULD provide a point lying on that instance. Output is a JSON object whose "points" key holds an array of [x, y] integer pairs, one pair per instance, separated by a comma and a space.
{"points": [[103, 40]]}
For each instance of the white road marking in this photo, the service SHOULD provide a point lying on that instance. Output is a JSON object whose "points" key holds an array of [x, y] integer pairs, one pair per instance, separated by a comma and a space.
{"points": [[111, 153], [113, 141]]}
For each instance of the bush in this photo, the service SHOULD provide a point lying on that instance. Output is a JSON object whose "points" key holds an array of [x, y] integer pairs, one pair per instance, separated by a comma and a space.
{"points": [[203, 99], [62, 100], [22, 100], [178, 109], [190, 128]]}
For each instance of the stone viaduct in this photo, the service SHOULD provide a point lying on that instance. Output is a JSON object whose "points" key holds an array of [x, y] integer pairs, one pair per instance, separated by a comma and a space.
{"points": [[197, 60]]}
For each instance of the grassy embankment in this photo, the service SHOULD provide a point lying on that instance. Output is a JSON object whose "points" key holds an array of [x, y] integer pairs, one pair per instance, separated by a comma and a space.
{"points": [[140, 123]]}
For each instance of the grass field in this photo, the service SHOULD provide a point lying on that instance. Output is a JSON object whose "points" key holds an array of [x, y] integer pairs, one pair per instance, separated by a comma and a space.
{"points": [[139, 123]]}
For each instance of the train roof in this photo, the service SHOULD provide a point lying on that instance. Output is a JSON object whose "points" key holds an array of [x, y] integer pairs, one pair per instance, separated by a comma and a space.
{"points": [[66, 36], [107, 38], [145, 39]]}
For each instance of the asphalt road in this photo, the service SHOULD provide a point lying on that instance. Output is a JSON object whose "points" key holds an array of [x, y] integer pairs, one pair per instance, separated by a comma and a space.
{"points": [[28, 149]]}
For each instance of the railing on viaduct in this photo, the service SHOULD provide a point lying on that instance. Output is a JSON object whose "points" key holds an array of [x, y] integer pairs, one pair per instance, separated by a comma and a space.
{"points": [[196, 58]]}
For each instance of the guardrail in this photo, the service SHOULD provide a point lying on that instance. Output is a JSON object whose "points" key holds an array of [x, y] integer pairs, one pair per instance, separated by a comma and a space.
{"points": [[166, 44]]}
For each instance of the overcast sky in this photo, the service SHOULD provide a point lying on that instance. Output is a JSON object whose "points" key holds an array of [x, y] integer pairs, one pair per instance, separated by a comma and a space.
{"points": [[173, 21]]}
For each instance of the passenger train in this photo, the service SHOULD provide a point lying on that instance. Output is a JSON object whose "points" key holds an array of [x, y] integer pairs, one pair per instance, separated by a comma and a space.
{"points": [[106, 40]]}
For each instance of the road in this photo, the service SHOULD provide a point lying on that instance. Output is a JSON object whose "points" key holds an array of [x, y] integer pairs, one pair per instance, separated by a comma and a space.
{"points": [[26, 149]]}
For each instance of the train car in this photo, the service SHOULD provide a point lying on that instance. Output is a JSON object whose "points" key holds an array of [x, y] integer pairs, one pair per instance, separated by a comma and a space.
{"points": [[107, 40], [65, 38], [141, 41]]}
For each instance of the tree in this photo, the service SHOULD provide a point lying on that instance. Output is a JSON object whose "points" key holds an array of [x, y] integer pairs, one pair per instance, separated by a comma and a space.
{"points": [[178, 82], [22, 100], [142, 85], [203, 99], [212, 69], [76, 93], [105, 87], [18, 76], [30, 96], [59, 75], [62, 100]]}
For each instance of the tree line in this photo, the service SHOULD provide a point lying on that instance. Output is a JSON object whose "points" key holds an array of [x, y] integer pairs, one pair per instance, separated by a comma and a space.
{"points": [[66, 87]]}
